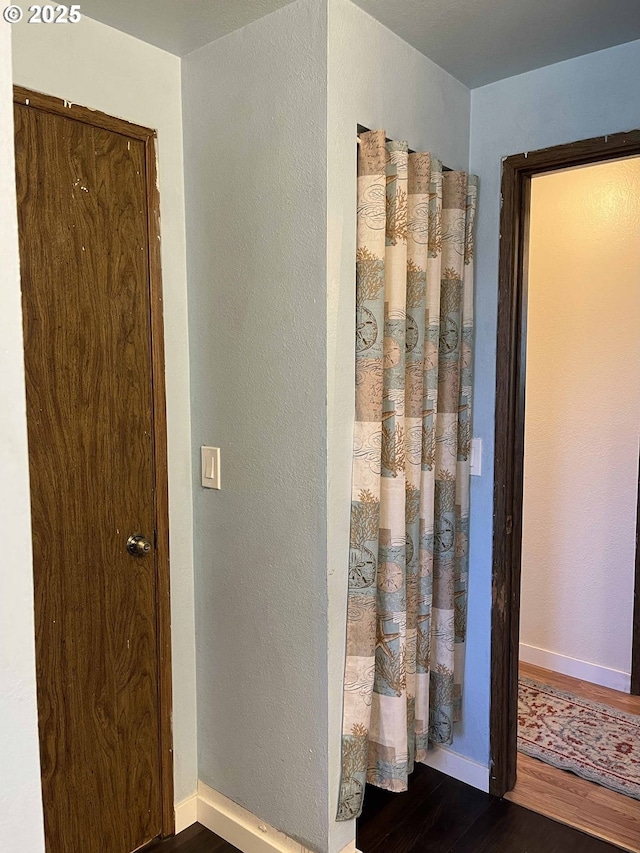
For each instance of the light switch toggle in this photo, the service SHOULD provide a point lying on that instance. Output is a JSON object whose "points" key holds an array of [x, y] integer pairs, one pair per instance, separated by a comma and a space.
{"points": [[475, 461], [210, 457]]}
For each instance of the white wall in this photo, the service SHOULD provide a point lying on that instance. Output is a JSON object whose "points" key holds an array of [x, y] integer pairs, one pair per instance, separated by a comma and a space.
{"points": [[21, 826], [377, 80], [582, 420], [255, 168], [93, 65], [584, 97]]}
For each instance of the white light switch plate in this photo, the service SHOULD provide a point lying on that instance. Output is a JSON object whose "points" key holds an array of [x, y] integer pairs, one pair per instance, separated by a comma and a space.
{"points": [[210, 458], [475, 463]]}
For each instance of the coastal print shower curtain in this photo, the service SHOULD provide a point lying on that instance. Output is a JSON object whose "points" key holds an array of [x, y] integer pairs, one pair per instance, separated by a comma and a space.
{"points": [[408, 560]]}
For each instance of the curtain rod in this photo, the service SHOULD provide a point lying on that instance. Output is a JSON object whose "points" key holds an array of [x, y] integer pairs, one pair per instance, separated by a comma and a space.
{"points": [[363, 129]]}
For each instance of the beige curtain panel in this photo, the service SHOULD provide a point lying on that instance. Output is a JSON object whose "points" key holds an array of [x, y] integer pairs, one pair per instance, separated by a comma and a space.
{"points": [[408, 561]]}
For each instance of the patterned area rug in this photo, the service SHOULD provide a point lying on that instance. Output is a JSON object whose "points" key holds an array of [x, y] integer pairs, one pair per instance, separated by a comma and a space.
{"points": [[594, 741]]}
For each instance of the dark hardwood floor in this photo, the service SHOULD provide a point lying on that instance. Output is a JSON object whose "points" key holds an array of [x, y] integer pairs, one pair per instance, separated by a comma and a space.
{"points": [[195, 839], [441, 815], [436, 815]]}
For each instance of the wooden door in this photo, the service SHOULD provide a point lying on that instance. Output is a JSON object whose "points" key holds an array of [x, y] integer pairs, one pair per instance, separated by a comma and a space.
{"points": [[94, 447]]}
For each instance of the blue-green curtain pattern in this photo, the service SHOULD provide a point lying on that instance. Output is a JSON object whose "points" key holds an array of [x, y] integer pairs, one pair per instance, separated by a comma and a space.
{"points": [[408, 560]]}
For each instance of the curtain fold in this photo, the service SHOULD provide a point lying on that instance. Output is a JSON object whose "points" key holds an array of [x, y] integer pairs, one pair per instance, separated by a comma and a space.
{"points": [[408, 558]]}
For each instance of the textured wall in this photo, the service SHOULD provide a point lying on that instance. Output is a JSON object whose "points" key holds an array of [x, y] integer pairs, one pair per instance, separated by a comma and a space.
{"points": [[583, 413], [255, 157], [377, 80], [96, 66], [20, 798], [591, 95]]}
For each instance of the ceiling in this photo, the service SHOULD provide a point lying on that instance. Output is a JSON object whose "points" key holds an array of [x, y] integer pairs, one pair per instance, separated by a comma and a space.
{"points": [[478, 41]]}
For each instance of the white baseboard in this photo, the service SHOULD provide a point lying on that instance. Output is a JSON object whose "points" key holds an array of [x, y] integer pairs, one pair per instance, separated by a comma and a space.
{"points": [[186, 813], [243, 829], [459, 767], [585, 671], [249, 834]]}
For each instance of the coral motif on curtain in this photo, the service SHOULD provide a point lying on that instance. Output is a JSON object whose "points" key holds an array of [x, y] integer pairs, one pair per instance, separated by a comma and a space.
{"points": [[408, 560]]}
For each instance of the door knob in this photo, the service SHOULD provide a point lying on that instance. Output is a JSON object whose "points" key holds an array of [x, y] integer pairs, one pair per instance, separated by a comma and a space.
{"points": [[138, 546]]}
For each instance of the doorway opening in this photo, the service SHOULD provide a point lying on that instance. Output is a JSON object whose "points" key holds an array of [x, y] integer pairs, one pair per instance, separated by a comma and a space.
{"points": [[543, 485], [88, 215]]}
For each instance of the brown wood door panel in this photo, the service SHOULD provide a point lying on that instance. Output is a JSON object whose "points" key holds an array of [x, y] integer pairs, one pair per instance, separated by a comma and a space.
{"points": [[84, 251]]}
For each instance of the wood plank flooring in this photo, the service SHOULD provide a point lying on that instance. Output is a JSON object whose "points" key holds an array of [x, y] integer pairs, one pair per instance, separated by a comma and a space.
{"points": [[439, 814], [442, 815], [194, 839], [565, 797], [593, 692], [549, 810]]}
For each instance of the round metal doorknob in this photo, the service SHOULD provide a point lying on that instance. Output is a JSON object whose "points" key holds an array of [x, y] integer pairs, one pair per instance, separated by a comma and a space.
{"points": [[138, 546]]}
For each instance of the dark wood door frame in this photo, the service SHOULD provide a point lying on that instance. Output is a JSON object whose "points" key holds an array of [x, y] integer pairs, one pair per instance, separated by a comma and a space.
{"points": [[635, 625], [517, 172], [147, 136]]}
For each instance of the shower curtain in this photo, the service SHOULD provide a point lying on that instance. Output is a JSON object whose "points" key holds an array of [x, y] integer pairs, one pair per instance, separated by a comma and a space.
{"points": [[408, 560]]}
